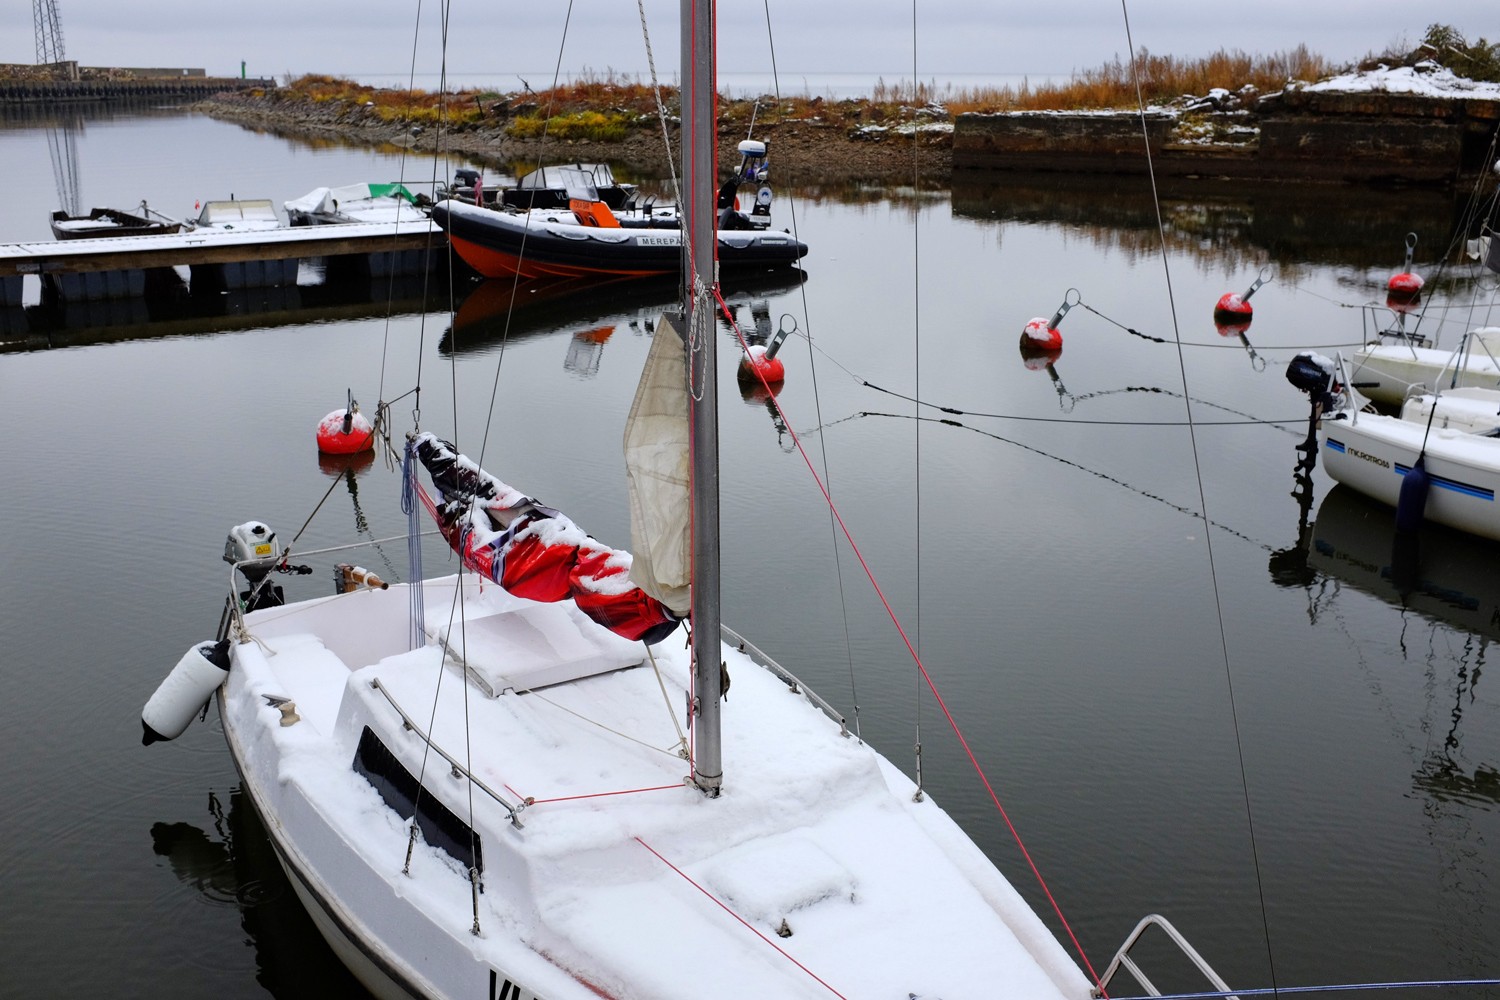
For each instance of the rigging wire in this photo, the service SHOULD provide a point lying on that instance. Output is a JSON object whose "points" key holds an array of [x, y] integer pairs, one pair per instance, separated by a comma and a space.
{"points": [[515, 281], [916, 282], [817, 396], [912, 651], [1202, 493]]}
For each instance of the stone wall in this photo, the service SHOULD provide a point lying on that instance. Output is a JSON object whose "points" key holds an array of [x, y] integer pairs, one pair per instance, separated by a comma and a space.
{"points": [[1367, 137]]}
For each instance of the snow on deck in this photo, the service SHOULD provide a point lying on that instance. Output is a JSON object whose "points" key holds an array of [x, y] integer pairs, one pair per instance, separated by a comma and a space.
{"points": [[814, 833]]}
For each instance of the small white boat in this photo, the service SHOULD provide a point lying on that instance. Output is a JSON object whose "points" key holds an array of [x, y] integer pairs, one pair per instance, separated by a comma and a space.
{"points": [[357, 203], [235, 215], [1438, 460], [1387, 373]]}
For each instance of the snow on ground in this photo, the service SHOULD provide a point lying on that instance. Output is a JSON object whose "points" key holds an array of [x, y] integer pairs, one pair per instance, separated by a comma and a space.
{"points": [[1426, 79]]}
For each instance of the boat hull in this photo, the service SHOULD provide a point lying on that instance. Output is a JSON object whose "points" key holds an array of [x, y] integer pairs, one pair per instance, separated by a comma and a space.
{"points": [[560, 899], [503, 244], [107, 222], [1373, 453], [1388, 373]]}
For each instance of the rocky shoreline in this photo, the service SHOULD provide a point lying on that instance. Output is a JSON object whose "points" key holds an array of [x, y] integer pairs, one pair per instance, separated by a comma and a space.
{"points": [[803, 151]]}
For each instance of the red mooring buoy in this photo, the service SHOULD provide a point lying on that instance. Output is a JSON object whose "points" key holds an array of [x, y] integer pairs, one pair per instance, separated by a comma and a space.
{"points": [[345, 432], [1039, 335], [758, 364], [1405, 285], [1233, 306]]}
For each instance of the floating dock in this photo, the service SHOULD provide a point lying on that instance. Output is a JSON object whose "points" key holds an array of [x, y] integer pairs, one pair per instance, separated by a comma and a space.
{"points": [[123, 266]]}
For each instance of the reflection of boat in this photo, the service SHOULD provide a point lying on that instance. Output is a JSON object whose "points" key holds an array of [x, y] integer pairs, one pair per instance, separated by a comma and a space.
{"points": [[1446, 575], [231, 861], [171, 309], [105, 222], [1439, 459], [356, 203], [1441, 574], [500, 308]]}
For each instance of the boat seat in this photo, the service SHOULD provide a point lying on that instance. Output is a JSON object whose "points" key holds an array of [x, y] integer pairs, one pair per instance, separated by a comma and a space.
{"points": [[533, 646]]}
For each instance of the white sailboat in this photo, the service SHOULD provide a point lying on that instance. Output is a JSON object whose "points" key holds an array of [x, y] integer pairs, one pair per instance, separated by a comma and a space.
{"points": [[477, 794], [1388, 373], [1438, 459]]}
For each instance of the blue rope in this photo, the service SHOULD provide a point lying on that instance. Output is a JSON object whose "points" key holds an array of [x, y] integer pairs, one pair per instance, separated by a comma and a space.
{"points": [[1343, 988], [410, 506]]}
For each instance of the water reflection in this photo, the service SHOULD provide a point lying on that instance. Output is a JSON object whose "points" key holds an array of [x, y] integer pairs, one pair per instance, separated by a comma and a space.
{"points": [[1233, 225], [170, 309], [498, 311], [228, 858], [1444, 575]]}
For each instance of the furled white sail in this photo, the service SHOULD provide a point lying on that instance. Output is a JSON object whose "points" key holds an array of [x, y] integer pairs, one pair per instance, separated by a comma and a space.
{"points": [[656, 462]]}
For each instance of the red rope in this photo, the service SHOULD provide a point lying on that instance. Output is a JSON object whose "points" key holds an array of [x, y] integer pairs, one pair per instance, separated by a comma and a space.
{"points": [[601, 795], [688, 879], [931, 686]]}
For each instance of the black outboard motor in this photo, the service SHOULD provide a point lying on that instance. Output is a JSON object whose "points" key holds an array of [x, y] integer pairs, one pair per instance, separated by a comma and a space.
{"points": [[1313, 374], [466, 185]]}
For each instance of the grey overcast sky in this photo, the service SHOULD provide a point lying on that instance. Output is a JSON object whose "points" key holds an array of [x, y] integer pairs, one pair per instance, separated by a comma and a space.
{"points": [[495, 41]]}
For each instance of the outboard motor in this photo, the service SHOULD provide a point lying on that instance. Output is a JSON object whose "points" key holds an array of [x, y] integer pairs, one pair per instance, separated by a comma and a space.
{"points": [[467, 185], [754, 168], [253, 550], [1313, 374]]}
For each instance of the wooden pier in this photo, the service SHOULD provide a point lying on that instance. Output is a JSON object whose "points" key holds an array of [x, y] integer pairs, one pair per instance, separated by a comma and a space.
{"points": [[119, 267]]}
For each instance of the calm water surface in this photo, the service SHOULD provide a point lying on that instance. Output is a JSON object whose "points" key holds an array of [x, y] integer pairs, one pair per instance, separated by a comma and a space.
{"points": [[1044, 547]]}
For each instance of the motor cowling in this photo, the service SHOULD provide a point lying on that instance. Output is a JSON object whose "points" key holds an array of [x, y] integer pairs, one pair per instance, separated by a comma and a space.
{"points": [[252, 548], [1311, 372]]}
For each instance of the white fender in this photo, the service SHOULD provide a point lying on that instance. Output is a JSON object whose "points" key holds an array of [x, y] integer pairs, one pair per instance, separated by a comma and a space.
{"points": [[184, 691]]}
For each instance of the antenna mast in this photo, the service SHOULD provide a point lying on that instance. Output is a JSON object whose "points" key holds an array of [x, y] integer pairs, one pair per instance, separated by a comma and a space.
{"points": [[49, 36]]}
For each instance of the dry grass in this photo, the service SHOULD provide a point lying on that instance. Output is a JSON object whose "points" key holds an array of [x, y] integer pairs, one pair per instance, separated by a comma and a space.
{"points": [[1162, 79], [605, 107]]}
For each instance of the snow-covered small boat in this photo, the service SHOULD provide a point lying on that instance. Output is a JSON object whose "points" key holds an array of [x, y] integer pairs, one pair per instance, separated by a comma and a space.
{"points": [[357, 203], [1438, 460], [1387, 373], [236, 215], [106, 222]]}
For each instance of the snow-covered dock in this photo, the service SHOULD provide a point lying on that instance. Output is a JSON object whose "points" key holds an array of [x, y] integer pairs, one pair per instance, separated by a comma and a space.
{"points": [[116, 267]]}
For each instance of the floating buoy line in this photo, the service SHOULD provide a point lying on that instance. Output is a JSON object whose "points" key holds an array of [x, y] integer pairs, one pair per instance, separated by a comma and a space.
{"points": [[959, 425], [1248, 418]]}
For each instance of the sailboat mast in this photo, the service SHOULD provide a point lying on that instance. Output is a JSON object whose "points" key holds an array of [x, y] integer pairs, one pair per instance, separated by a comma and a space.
{"points": [[700, 279]]}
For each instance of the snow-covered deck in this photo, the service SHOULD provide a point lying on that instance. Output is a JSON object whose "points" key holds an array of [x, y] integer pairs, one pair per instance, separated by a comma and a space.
{"points": [[815, 836]]}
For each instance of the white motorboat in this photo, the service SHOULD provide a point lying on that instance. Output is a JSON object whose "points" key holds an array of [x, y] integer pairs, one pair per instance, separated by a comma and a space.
{"points": [[392, 202], [1438, 460]]}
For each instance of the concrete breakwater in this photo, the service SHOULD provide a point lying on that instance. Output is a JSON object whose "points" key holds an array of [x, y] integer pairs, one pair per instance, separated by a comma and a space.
{"points": [[67, 82], [1365, 137]]}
